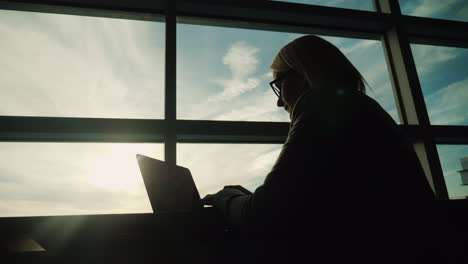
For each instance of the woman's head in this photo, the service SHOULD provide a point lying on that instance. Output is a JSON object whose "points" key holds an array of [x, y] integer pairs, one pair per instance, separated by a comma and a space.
{"points": [[310, 62]]}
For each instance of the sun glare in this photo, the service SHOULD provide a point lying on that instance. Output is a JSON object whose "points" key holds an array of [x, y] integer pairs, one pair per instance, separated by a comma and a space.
{"points": [[116, 168]]}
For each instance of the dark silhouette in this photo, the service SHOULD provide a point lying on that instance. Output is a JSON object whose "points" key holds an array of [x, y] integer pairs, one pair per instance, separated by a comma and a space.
{"points": [[347, 184]]}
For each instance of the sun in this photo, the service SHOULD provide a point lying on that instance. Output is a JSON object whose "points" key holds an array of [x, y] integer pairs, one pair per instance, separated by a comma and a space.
{"points": [[116, 169]]}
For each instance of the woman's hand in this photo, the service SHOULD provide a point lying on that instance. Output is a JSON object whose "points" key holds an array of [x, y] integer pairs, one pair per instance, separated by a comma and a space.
{"points": [[210, 198]]}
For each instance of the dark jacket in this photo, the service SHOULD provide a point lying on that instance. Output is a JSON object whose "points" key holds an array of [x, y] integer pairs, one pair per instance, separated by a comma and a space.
{"points": [[346, 178]]}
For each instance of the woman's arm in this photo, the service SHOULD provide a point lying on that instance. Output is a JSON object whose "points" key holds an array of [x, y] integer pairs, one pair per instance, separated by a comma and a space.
{"points": [[296, 179]]}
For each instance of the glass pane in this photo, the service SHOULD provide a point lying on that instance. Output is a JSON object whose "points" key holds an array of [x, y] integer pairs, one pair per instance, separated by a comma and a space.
{"points": [[443, 75], [224, 74], [351, 4], [77, 66], [216, 165], [39, 179], [454, 161], [368, 57], [447, 9]]}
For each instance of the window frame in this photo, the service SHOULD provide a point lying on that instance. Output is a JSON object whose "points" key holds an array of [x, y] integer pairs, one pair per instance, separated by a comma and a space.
{"points": [[387, 24]]}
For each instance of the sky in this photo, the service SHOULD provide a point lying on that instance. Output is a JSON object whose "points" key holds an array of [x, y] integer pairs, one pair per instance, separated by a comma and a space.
{"points": [[450, 156], [446, 9], [75, 66], [81, 66]]}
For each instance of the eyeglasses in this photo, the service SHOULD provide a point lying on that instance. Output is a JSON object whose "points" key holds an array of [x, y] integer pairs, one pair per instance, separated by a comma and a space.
{"points": [[275, 85]]}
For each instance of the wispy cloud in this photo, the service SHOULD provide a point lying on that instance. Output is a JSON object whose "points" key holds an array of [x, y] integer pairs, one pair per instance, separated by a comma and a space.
{"points": [[427, 57], [242, 61], [264, 161], [430, 7], [374, 70], [72, 178], [233, 88], [268, 75], [360, 45], [226, 159], [446, 105], [261, 107], [449, 105], [61, 65]]}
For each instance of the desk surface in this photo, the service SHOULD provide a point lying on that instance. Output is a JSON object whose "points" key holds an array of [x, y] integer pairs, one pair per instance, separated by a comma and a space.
{"points": [[174, 238], [57, 232], [131, 238]]}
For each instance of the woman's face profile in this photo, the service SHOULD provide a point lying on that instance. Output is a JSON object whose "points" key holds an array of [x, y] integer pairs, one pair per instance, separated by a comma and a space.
{"points": [[292, 85]]}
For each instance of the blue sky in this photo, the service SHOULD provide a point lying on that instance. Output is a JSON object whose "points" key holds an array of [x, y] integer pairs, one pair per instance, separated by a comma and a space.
{"points": [[81, 66], [239, 60], [444, 82], [72, 66], [446, 9], [450, 156]]}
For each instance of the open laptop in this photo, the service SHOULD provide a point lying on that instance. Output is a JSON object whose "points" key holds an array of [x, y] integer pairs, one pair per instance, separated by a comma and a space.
{"points": [[170, 188]]}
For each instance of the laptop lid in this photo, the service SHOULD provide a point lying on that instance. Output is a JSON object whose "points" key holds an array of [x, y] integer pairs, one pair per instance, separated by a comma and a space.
{"points": [[170, 188]]}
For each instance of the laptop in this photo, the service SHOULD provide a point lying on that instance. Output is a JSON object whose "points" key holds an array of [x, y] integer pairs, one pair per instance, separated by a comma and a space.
{"points": [[170, 188]]}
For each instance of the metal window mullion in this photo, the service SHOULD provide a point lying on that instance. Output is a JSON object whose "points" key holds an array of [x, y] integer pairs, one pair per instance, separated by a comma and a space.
{"points": [[416, 113], [265, 15], [170, 142], [389, 57], [429, 158], [410, 99], [71, 129], [139, 10], [203, 131]]}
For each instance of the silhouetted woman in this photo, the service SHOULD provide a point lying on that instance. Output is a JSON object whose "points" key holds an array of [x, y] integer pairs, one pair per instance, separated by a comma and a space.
{"points": [[347, 184]]}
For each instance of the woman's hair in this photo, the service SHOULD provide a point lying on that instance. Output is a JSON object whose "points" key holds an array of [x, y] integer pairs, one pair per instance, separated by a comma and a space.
{"points": [[320, 62]]}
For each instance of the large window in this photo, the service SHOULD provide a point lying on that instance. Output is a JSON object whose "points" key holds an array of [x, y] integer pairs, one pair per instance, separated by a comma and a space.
{"points": [[444, 82], [72, 178], [78, 66], [368, 57], [84, 90], [217, 165], [232, 72], [454, 161], [448, 9]]}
